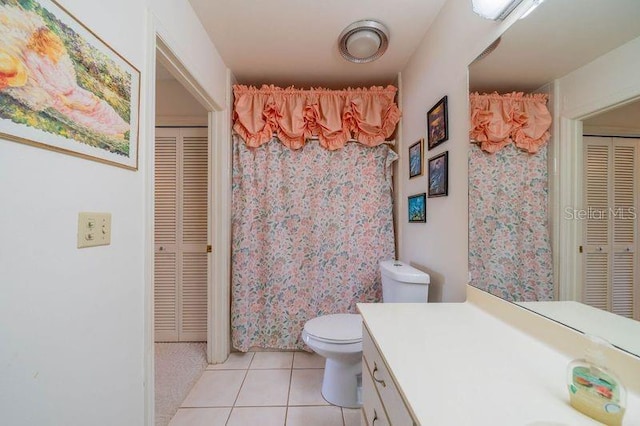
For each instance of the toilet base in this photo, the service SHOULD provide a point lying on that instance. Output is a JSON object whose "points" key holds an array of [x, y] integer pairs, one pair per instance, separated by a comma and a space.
{"points": [[342, 383]]}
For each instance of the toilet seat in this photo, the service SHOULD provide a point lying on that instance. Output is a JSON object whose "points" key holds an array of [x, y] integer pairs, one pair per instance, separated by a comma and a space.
{"points": [[339, 329], [338, 338]]}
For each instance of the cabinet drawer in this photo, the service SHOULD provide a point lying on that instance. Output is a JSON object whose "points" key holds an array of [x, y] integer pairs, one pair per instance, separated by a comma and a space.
{"points": [[372, 407], [395, 407]]}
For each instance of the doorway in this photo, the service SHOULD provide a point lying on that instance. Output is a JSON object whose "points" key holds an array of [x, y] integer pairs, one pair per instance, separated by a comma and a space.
{"points": [[181, 232], [219, 180], [181, 211], [611, 197]]}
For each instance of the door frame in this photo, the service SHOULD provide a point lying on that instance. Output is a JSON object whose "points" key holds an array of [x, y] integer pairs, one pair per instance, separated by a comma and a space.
{"points": [[159, 46], [568, 189]]}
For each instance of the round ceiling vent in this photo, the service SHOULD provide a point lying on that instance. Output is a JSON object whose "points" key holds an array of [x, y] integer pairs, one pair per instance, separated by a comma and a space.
{"points": [[363, 41]]}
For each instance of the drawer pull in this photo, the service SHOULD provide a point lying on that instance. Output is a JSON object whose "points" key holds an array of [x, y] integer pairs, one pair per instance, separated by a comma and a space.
{"points": [[375, 369], [375, 417]]}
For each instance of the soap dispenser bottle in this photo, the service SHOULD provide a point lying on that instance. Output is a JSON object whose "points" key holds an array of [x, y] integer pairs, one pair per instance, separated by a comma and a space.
{"points": [[593, 389]]}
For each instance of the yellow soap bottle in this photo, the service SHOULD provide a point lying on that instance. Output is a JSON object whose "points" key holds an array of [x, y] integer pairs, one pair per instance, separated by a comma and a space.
{"points": [[593, 389]]}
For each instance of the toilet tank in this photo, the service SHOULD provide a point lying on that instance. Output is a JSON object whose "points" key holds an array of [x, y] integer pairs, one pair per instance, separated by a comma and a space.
{"points": [[403, 283]]}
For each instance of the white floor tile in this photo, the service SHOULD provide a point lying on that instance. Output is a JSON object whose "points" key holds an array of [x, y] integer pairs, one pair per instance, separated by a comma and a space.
{"points": [[236, 361], [268, 360], [200, 417], [215, 389], [306, 386], [263, 416], [351, 416], [307, 360], [314, 416], [264, 387]]}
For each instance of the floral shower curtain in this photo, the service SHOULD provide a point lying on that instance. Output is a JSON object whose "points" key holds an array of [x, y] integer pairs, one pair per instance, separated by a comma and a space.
{"points": [[309, 228], [509, 244], [310, 224]]}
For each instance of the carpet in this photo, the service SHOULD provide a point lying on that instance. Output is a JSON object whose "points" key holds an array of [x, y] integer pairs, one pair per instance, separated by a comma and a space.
{"points": [[178, 367]]}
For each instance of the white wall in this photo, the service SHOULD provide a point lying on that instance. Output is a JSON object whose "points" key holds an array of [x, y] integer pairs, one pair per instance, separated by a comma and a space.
{"points": [[608, 80], [622, 119], [597, 86], [175, 106], [71, 333], [438, 68], [181, 30]]}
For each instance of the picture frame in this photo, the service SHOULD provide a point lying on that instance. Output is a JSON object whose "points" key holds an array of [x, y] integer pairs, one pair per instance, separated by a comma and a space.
{"points": [[417, 208], [437, 124], [438, 170], [66, 90], [416, 153]]}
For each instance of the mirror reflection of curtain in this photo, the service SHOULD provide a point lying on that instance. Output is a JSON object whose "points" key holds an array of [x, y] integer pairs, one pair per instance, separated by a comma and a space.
{"points": [[509, 244], [309, 229]]}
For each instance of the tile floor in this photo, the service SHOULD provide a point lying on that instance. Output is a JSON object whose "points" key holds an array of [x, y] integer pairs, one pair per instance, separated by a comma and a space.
{"points": [[263, 388]]}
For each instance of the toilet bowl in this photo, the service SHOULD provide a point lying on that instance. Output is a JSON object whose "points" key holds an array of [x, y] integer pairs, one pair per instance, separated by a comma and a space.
{"points": [[338, 337]]}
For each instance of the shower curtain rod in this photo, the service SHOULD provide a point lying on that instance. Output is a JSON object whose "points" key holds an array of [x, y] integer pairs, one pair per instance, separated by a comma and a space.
{"points": [[315, 138]]}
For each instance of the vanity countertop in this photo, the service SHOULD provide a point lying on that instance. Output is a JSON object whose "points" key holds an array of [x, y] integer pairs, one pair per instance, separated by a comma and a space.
{"points": [[455, 364], [620, 331]]}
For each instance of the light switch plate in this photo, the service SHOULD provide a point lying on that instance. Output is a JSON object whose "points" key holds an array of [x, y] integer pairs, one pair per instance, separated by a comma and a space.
{"points": [[94, 229]]}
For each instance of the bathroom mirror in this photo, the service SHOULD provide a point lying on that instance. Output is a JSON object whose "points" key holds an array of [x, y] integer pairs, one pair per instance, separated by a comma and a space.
{"points": [[547, 53]]}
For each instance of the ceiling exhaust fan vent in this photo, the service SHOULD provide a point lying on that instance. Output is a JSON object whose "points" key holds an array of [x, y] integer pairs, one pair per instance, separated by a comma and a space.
{"points": [[363, 41]]}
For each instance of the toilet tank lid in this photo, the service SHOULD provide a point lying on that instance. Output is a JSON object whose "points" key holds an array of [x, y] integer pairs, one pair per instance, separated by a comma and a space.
{"points": [[402, 272]]}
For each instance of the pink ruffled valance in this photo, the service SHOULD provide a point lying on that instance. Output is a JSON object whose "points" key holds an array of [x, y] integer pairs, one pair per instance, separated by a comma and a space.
{"points": [[498, 120], [333, 116]]}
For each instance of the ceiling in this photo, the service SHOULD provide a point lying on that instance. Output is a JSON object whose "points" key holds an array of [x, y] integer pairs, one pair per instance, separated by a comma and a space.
{"points": [[294, 42], [555, 39]]}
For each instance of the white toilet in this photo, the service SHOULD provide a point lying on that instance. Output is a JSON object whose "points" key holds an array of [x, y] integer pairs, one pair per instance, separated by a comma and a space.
{"points": [[338, 337]]}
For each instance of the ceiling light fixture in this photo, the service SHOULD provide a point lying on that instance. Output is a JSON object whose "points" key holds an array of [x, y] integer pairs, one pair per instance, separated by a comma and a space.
{"points": [[363, 41], [497, 10]]}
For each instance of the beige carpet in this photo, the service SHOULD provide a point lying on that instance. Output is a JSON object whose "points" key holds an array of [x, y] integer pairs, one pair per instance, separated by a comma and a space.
{"points": [[178, 368]]}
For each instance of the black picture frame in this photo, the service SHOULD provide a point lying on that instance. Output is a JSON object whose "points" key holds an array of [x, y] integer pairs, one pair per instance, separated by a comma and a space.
{"points": [[416, 153], [438, 170], [437, 124], [417, 208]]}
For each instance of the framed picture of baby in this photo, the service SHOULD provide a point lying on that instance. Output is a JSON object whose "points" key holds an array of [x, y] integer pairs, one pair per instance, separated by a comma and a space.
{"points": [[63, 88], [439, 175]]}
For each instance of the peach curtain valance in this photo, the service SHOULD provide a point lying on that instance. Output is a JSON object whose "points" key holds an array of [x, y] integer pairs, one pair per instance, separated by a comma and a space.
{"points": [[498, 120], [333, 116]]}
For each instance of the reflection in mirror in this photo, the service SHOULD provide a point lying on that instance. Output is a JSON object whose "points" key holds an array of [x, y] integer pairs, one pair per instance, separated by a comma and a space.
{"points": [[513, 171]]}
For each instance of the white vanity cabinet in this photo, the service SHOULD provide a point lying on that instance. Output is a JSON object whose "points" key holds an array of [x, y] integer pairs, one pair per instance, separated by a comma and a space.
{"points": [[456, 364], [382, 403]]}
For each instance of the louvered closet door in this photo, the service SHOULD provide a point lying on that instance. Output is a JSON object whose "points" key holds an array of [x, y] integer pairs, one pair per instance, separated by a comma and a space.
{"points": [[166, 229], [181, 235], [193, 235], [597, 271], [611, 185], [624, 259]]}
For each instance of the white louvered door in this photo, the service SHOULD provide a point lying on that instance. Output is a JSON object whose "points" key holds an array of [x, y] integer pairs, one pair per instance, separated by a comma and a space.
{"points": [[610, 242], [624, 244], [181, 234], [597, 159]]}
